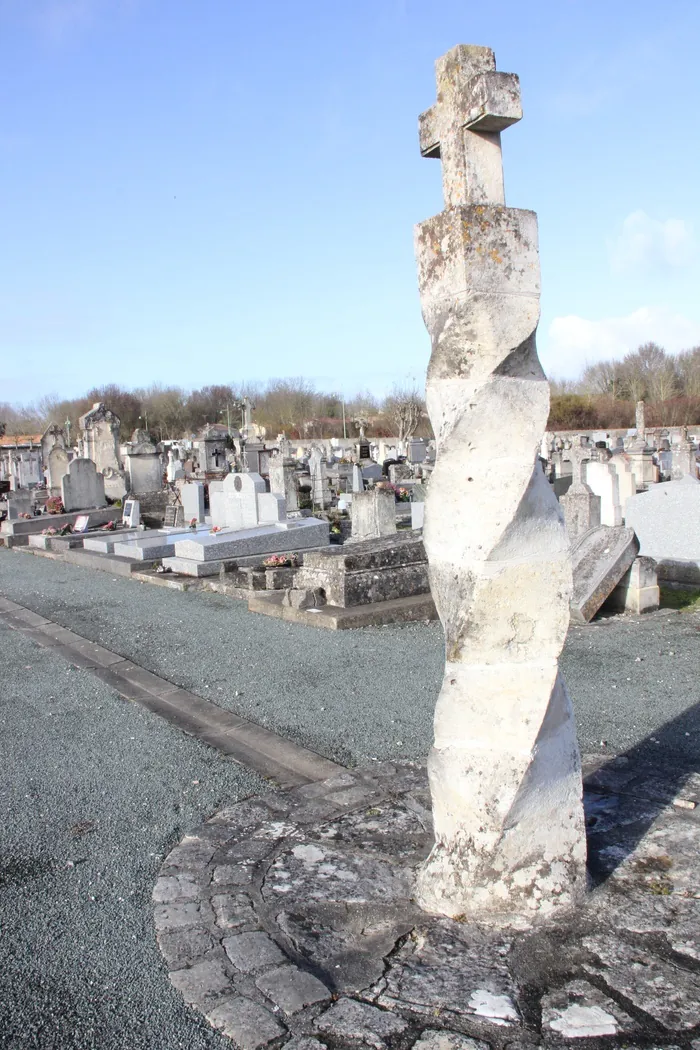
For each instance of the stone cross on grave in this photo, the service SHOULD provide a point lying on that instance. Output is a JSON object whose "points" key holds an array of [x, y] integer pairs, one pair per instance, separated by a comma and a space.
{"points": [[579, 453], [463, 129]]}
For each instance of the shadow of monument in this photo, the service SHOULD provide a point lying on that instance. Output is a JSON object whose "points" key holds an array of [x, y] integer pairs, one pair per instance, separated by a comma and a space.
{"points": [[624, 796]]}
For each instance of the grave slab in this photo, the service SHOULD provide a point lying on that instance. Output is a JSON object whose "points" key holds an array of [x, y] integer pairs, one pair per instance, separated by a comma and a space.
{"points": [[600, 560]]}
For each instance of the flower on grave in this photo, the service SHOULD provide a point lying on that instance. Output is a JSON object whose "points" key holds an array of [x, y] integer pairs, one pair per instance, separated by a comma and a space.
{"points": [[281, 561], [54, 505], [193, 523], [403, 495], [335, 529], [109, 526], [215, 528], [25, 514], [51, 531], [65, 530]]}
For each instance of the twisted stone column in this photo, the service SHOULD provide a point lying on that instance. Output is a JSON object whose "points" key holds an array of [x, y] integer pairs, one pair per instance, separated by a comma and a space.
{"points": [[504, 770]]}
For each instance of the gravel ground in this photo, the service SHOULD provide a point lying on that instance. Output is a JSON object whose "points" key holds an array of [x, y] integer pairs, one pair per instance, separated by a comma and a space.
{"points": [[94, 791], [358, 695]]}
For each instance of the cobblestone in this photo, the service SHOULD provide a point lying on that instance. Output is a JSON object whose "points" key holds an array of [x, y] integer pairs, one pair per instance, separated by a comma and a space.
{"points": [[252, 951], [329, 899], [246, 1022], [292, 989]]}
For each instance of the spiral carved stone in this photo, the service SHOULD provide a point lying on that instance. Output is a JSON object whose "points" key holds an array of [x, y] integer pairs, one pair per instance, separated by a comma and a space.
{"points": [[504, 769]]}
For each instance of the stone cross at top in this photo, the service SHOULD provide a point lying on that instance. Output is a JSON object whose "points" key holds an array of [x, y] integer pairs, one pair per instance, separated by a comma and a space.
{"points": [[463, 129], [579, 453]]}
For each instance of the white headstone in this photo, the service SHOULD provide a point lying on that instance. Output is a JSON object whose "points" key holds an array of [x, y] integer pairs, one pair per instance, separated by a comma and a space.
{"points": [[241, 497], [192, 496]]}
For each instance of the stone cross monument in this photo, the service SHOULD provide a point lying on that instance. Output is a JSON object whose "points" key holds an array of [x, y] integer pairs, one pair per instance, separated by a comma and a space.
{"points": [[504, 770], [580, 505]]}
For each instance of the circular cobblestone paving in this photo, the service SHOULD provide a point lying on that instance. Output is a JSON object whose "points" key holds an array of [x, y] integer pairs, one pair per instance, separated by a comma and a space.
{"points": [[287, 920]]}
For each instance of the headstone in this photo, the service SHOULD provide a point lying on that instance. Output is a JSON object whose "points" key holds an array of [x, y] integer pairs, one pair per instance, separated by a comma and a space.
{"points": [[599, 561], [145, 472], [626, 481], [100, 437], [57, 467], [320, 490], [602, 479], [504, 771], [174, 516], [271, 507], [132, 513], [174, 470], [684, 458], [638, 590], [358, 482], [580, 504], [282, 479], [416, 450], [666, 519], [417, 515], [217, 503], [373, 514], [192, 496], [241, 499], [82, 487]]}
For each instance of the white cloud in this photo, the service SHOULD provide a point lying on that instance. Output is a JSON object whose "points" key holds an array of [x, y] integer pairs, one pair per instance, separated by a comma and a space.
{"points": [[643, 243], [574, 342]]}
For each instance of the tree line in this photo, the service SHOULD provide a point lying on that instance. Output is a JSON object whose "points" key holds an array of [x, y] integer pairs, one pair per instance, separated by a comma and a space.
{"points": [[606, 395], [290, 405]]}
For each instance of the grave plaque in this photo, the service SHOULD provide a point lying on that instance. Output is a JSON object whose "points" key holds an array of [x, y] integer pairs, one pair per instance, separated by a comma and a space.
{"points": [[174, 517], [81, 523]]}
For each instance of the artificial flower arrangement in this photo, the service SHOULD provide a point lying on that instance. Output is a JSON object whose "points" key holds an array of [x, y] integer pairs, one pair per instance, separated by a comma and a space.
{"points": [[215, 528], [109, 526], [281, 561], [193, 523], [54, 505]]}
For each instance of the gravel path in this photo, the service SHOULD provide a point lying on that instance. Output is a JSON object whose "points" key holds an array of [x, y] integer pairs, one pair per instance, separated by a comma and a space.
{"points": [[94, 791], [358, 695]]}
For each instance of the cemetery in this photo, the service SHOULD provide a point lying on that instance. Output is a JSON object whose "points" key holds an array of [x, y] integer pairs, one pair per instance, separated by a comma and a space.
{"points": [[501, 875]]}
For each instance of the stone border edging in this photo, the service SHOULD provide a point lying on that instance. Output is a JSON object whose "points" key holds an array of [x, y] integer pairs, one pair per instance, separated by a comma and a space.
{"points": [[261, 750]]}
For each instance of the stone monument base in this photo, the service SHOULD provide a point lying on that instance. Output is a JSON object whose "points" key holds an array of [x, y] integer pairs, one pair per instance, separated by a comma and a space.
{"points": [[290, 919]]}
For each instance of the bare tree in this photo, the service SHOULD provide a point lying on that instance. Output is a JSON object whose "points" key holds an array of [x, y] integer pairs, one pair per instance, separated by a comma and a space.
{"points": [[405, 406]]}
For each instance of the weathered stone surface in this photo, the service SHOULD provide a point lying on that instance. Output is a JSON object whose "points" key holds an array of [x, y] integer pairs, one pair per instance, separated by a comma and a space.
{"points": [[454, 968], [600, 560], [305, 1043], [201, 981], [368, 572], [638, 590], [318, 872], [666, 519], [670, 994], [613, 967], [579, 1010], [373, 514], [292, 989], [183, 947], [232, 911], [177, 887], [247, 1023], [82, 486], [504, 769], [252, 951], [435, 1040], [350, 1019], [179, 915]]}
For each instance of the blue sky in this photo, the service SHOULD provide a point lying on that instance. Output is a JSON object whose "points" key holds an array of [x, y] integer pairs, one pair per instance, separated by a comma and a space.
{"points": [[219, 191]]}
